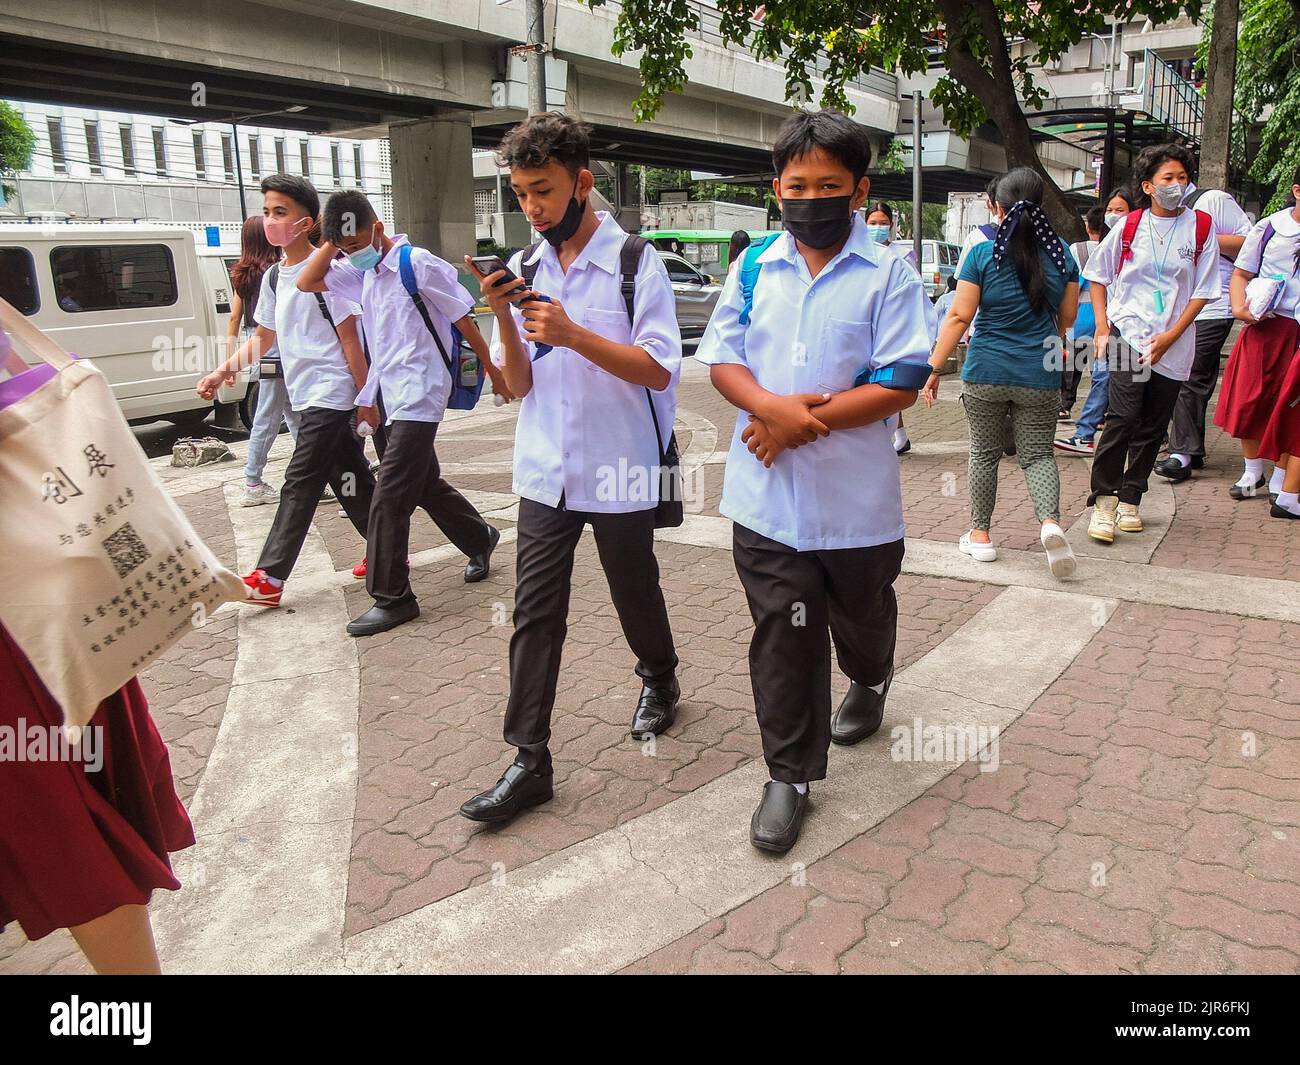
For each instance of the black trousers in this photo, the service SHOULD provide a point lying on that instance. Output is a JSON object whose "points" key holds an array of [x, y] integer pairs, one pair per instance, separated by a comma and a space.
{"points": [[410, 477], [1187, 433], [327, 451], [794, 597], [1077, 356], [548, 538], [1136, 417]]}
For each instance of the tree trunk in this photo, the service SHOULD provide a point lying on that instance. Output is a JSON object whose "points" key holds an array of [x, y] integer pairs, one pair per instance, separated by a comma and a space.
{"points": [[1220, 81], [996, 92]]}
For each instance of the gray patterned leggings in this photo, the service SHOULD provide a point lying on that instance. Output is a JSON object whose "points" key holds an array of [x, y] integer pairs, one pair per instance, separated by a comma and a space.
{"points": [[1033, 420]]}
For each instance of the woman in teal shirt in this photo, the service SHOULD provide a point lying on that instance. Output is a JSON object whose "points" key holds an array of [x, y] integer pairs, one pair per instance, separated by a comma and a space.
{"points": [[1025, 285]]}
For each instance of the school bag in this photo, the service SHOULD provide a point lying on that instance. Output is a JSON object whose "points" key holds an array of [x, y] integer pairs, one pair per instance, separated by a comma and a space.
{"points": [[669, 511], [889, 376], [467, 371]]}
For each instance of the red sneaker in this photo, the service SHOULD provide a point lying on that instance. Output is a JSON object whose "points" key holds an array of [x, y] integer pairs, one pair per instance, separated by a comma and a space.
{"points": [[359, 570], [261, 591]]}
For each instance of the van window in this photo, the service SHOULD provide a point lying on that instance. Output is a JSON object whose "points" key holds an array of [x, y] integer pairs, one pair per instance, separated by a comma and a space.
{"points": [[927, 252], [112, 277], [18, 280]]}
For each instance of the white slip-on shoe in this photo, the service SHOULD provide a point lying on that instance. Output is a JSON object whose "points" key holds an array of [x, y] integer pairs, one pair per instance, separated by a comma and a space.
{"points": [[1060, 556], [979, 552]]}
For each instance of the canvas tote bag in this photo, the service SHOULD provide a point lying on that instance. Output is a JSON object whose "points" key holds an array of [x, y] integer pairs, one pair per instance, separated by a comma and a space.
{"points": [[100, 571]]}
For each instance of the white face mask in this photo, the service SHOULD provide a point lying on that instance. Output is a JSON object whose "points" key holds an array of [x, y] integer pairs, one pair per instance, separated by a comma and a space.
{"points": [[1112, 220], [1168, 196]]}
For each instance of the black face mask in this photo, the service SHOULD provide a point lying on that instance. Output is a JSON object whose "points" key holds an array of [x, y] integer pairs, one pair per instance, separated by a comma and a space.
{"points": [[568, 225], [818, 222]]}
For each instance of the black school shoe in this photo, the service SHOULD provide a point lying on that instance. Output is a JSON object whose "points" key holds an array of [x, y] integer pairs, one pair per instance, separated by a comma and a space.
{"points": [[1238, 493], [776, 823], [478, 567], [1174, 470], [860, 713], [518, 789], [383, 618], [656, 709], [1281, 512]]}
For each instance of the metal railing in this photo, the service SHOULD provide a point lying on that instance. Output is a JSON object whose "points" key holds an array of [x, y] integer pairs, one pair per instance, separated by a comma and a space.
{"points": [[1170, 98]]}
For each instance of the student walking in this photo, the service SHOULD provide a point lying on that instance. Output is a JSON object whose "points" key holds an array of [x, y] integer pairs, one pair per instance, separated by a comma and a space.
{"points": [[1024, 284], [812, 481], [410, 300], [596, 364], [1151, 277]]}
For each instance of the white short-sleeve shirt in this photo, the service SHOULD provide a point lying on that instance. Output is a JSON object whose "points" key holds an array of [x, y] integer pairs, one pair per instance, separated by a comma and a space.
{"points": [[584, 434], [865, 310], [1130, 289], [316, 373], [1230, 220], [1279, 257], [405, 363]]}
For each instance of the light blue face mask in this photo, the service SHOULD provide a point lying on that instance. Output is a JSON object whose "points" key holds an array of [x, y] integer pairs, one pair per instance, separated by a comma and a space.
{"points": [[880, 234], [367, 258]]}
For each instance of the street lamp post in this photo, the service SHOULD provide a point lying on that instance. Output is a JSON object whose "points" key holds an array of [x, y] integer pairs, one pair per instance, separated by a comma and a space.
{"points": [[234, 139]]}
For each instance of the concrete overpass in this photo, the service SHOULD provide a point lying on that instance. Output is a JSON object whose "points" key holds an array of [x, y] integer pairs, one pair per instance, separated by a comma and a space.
{"points": [[436, 75]]}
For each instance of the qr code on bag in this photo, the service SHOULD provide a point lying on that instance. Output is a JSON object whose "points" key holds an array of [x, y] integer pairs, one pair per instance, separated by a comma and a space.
{"points": [[125, 550]]}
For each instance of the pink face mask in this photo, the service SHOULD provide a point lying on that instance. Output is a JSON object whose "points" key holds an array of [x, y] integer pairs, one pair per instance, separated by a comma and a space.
{"points": [[280, 231]]}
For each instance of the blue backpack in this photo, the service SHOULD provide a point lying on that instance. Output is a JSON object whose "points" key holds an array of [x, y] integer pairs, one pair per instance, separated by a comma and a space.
{"points": [[907, 377], [463, 397]]}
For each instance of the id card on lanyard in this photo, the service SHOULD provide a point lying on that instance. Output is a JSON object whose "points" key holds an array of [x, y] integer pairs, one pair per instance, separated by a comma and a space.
{"points": [[1157, 289]]}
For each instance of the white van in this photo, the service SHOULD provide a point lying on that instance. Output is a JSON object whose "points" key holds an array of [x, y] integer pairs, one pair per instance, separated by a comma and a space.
{"points": [[135, 298]]}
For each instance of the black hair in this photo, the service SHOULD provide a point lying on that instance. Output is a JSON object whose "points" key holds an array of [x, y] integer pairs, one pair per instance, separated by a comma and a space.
{"points": [[883, 208], [739, 242], [834, 133], [298, 189], [1095, 219], [541, 139], [991, 189], [347, 214], [952, 282], [1022, 183], [1125, 193], [1153, 158]]}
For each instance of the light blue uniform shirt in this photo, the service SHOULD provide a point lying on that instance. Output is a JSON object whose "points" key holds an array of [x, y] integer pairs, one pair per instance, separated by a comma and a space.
{"points": [[865, 310]]}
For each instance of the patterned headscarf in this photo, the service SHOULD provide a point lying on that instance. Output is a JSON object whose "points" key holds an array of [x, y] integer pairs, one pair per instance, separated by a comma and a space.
{"points": [[1047, 238]]}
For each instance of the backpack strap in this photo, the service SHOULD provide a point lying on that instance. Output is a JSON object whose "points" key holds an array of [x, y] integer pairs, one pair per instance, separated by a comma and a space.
{"points": [[407, 273], [749, 270], [629, 262], [527, 269], [1190, 201], [1126, 236], [989, 229], [1204, 227]]}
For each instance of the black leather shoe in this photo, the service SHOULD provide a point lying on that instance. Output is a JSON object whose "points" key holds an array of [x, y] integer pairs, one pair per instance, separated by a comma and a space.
{"points": [[655, 710], [776, 823], [381, 619], [1198, 462], [476, 569], [1238, 493], [1281, 512], [1174, 470], [860, 714], [518, 789]]}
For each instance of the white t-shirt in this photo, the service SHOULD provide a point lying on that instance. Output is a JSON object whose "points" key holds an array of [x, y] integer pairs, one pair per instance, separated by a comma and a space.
{"points": [[1230, 220], [1166, 262], [1279, 258], [315, 372]]}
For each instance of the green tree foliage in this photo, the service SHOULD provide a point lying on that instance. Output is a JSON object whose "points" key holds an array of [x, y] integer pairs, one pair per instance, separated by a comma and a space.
{"points": [[17, 142]]}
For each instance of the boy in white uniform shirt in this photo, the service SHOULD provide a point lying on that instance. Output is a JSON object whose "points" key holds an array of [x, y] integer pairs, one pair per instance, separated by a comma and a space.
{"points": [[836, 341], [1149, 295], [324, 370], [409, 370], [596, 413]]}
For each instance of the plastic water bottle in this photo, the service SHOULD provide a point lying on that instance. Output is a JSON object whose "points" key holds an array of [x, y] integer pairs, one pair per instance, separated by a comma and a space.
{"points": [[468, 371], [498, 400], [364, 429]]}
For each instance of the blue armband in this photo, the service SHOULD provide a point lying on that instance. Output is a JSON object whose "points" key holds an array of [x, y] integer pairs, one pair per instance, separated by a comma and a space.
{"points": [[899, 375]]}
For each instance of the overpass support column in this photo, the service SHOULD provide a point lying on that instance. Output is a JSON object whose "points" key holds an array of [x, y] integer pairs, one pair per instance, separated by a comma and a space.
{"points": [[433, 185]]}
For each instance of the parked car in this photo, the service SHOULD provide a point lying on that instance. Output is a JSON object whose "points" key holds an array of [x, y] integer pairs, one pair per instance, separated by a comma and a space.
{"points": [[695, 293], [938, 263], [708, 250], [135, 300]]}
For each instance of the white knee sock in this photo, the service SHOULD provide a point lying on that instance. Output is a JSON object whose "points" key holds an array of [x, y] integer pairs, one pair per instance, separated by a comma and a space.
{"points": [[1275, 482], [1254, 469]]}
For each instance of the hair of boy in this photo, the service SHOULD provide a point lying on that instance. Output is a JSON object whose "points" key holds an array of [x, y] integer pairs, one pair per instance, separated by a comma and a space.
{"points": [[298, 189], [1095, 219], [739, 242], [347, 214], [1022, 183], [835, 134], [549, 137], [883, 208], [1153, 158]]}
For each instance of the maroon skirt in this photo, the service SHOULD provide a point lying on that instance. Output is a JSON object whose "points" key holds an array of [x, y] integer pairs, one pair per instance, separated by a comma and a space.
{"points": [[1253, 380], [1282, 433], [75, 842]]}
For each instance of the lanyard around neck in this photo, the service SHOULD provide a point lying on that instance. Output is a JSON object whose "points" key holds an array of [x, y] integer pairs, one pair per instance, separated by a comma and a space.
{"points": [[1159, 263]]}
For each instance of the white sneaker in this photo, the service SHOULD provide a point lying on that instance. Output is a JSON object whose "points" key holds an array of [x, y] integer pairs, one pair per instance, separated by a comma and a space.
{"points": [[1060, 557], [979, 552], [1101, 526], [255, 495], [1127, 518]]}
